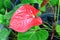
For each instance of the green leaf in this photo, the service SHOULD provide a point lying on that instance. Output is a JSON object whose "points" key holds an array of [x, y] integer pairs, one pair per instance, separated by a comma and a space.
{"points": [[29, 1], [9, 14], [53, 2], [39, 1], [39, 13], [4, 33], [1, 4], [2, 11], [58, 29], [35, 28], [7, 4], [24, 1], [59, 3], [33, 35], [43, 8], [32, 1], [2, 21]]}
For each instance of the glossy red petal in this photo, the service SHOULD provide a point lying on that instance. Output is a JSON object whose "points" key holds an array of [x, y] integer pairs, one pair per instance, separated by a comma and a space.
{"points": [[23, 19], [37, 21], [20, 25], [24, 25], [31, 9]]}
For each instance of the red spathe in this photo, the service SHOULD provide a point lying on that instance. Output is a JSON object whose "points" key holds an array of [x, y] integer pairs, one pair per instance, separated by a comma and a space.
{"points": [[24, 18]]}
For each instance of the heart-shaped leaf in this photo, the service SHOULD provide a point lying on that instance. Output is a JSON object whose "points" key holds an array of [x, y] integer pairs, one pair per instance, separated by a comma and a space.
{"points": [[33, 35]]}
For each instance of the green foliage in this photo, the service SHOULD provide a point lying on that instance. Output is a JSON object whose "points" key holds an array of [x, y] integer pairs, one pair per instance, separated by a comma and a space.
{"points": [[2, 21], [1, 4], [4, 4], [39, 14], [9, 14], [4, 33], [7, 4], [43, 9], [59, 3], [2, 11], [58, 29], [33, 35], [24, 1], [39, 1], [53, 2], [32, 1]]}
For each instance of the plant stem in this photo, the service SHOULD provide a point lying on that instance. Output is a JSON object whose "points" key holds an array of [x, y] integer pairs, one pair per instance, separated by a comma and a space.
{"points": [[47, 29], [54, 25]]}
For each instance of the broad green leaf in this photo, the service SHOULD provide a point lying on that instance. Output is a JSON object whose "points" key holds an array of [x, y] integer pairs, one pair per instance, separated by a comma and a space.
{"points": [[33, 35], [7, 4], [58, 29], [35, 28], [4, 33]]}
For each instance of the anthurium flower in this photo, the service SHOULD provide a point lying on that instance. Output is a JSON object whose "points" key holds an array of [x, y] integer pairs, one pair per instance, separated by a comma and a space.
{"points": [[24, 18]]}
